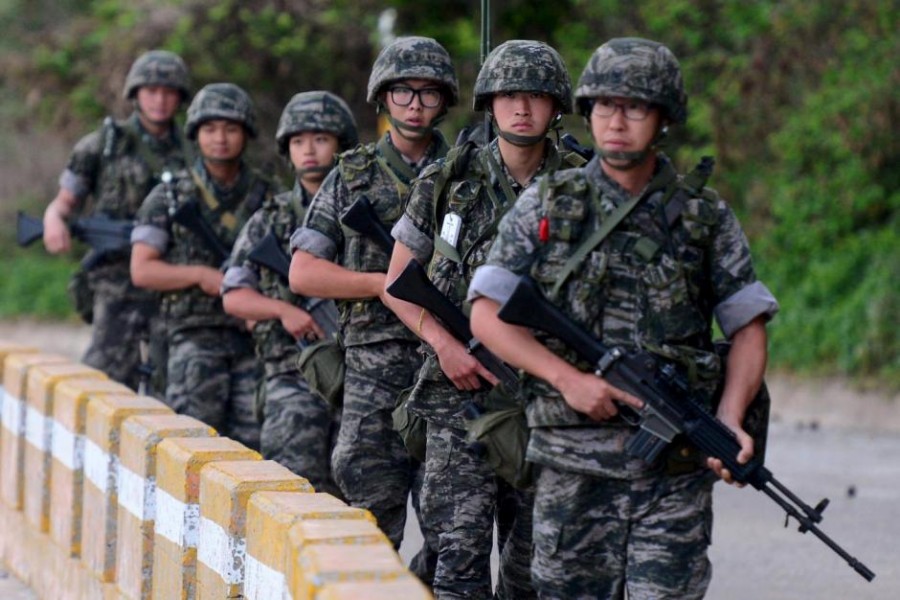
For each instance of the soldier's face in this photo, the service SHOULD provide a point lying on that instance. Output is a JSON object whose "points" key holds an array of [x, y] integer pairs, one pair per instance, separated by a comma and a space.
{"points": [[158, 103], [311, 149], [523, 113], [617, 133], [413, 113], [221, 140]]}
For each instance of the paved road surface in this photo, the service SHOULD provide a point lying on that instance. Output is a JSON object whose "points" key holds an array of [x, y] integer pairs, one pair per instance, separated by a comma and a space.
{"points": [[756, 558]]}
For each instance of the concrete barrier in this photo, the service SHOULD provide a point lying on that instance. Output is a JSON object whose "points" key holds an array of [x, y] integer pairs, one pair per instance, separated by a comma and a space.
{"points": [[108, 495], [177, 527], [67, 448], [270, 516], [105, 415], [141, 435], [225, 490], [12, 431], [322, 564], [39, 426]]}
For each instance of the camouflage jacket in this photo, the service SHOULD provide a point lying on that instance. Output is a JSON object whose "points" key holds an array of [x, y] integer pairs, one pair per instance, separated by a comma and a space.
{"points": [[280, 215], [232, 207], [650, 284], [111, 171], [378, 172], [472, 184]]}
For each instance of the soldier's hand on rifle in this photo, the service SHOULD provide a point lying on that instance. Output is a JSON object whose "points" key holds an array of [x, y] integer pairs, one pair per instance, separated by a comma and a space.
{"points": [[210, 280], [300, 323], [745, 454], [57, 238], [460, 367], [593, 396]]}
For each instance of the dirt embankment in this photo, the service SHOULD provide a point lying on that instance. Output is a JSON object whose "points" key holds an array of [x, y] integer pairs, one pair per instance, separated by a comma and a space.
{"points": [[821, 402]]}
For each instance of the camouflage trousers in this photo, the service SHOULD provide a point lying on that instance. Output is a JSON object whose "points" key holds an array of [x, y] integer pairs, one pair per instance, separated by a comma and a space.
{"points": [[461, 498], [597, 537], [120, 323], [370, 463], [299, 429], [212, 376]]}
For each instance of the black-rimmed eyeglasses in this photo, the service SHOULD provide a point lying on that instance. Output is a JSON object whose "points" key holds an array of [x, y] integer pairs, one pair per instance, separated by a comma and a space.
{"points": [[429, 97]]}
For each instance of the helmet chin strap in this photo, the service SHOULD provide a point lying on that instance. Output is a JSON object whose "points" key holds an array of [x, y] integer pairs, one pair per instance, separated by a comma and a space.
{"points": [[635, 158], [323, 170], [524, 140], [405, 130]]}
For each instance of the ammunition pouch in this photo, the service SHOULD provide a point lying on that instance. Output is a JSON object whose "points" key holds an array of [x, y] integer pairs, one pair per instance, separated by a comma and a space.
{"points": [[82, 295], [411, 427], [323, 368], [502, 431]]}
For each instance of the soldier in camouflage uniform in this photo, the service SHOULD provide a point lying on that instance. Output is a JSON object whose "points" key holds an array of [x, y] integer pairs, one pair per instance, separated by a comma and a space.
{"points": [[605, 522], [212, 369], [414, 81], [449, 224], [116, 167], [298, 426]]}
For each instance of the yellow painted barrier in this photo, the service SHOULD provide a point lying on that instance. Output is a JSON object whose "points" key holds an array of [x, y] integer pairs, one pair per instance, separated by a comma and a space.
{"points": [[12, 431], [177, 526], [105, 415], [400, 589], [67, 448], [225, 490], [39, 393], [323, 564], [270, 516], [141, 435]]}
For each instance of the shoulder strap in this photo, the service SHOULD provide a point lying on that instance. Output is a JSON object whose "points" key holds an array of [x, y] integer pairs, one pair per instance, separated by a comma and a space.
{"points": [[594, 240], [690, 187]]}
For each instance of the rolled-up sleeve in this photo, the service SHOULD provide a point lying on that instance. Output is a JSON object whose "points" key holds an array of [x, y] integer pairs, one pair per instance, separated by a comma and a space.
{"points": [[314, 242], [742, 307], [492, 282], [239, 277], [405, 232], [155, 237]]}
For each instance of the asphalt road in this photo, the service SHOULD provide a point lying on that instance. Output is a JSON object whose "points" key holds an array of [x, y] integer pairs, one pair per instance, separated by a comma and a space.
{"points": [[756, 558]]}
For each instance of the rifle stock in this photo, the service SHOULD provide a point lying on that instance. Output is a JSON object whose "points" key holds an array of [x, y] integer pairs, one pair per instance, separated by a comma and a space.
{"points": [[414, 286], [269, 253], [362, 218], [102, 234], [188, 215], [670, 407]]}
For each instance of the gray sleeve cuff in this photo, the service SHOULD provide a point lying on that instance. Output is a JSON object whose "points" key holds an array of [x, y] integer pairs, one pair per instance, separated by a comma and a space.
{"points": [[492, 282], [410, 236], [74, 183], [313, 242], [748, 303], [239, 277], [154, 237]]}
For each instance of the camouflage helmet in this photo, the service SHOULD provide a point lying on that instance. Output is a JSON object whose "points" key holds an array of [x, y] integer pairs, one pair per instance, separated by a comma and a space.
{"points": [[157, 67], [413, 57], [523, 66], [317, 111], [220, 101], [634, 68]]}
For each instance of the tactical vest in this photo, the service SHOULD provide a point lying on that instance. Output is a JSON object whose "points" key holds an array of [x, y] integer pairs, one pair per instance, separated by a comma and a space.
{"points": [[379, 173], [191, 307], [281, 215], [130, 167], [645, 286], [471, 184]]}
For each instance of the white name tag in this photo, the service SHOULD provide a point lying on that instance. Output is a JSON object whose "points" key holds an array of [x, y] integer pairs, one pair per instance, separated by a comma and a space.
{"points": [[450, 228]]}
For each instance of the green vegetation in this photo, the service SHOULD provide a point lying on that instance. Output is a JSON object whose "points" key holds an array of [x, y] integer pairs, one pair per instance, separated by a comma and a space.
{"points": [[797, 100]]}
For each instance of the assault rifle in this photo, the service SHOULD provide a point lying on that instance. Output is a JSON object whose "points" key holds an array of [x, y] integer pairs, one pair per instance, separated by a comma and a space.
{"points": [[414, 286], [188, 215], [362, 218], [670, 407], [269, 253], [103, 234], [571, 144]]}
